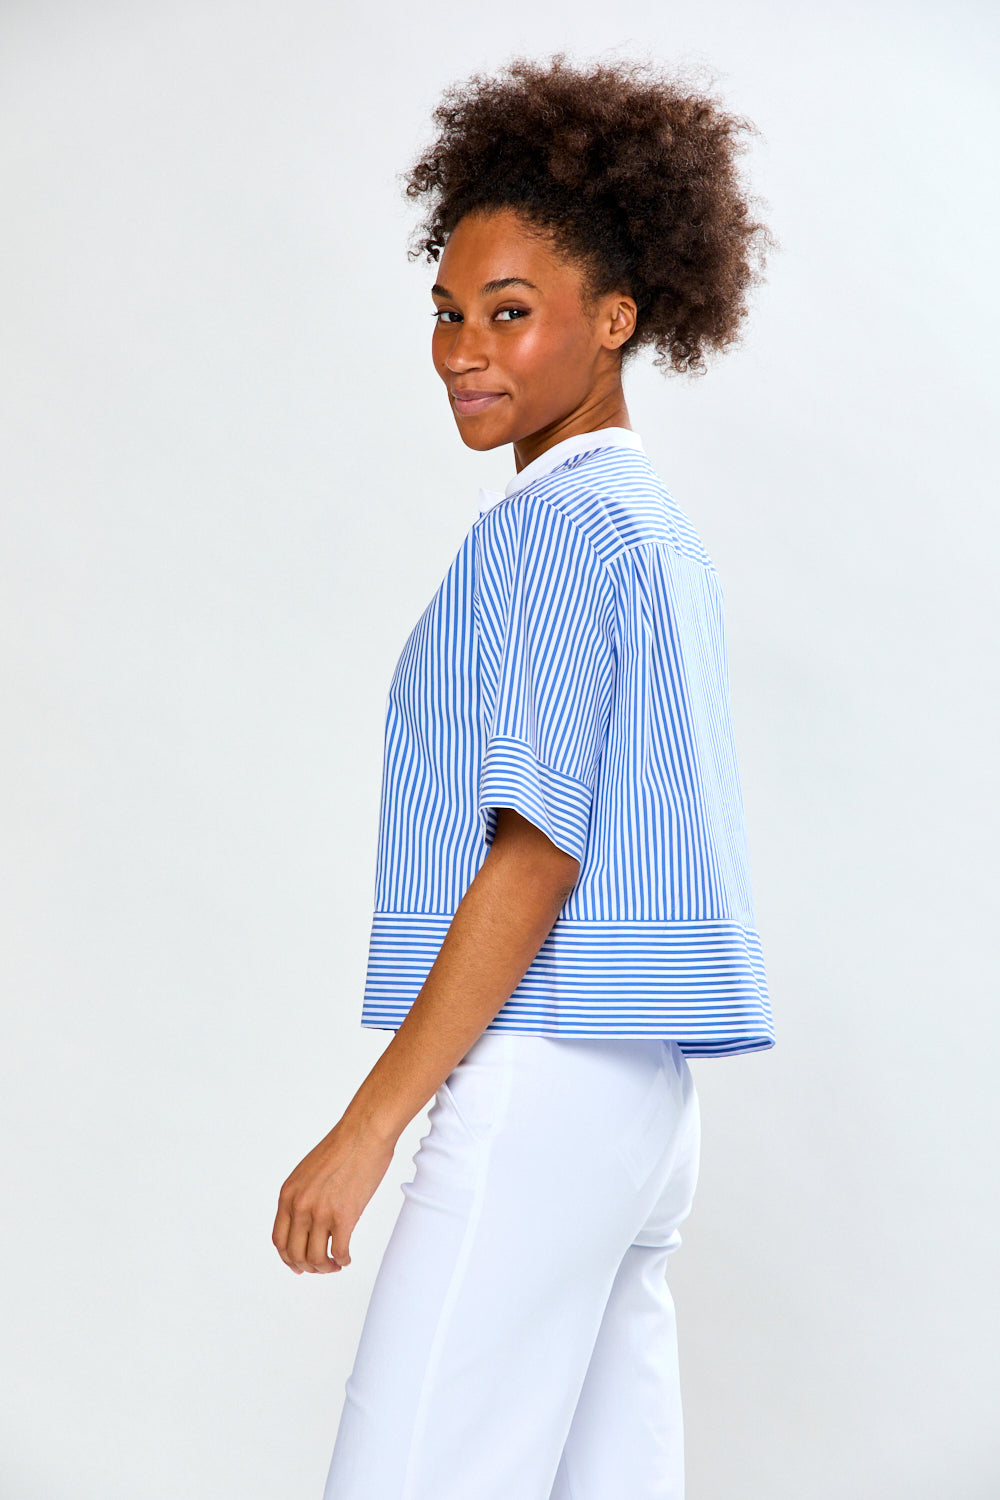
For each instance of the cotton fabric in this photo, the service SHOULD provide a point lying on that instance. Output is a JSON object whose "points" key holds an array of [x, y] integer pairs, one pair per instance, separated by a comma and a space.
{"points": [[520, 1340], [572, 665]]}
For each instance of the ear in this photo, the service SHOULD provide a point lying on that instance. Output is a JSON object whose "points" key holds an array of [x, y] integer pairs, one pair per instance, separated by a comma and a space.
{"points": [[619, 320]]}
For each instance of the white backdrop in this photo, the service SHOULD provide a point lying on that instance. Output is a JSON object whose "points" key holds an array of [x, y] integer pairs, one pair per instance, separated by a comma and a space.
{"points": [[231, 482]]}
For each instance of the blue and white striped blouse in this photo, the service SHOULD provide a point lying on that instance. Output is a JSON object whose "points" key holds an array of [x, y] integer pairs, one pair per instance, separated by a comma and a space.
{"points": [[572, 665]]}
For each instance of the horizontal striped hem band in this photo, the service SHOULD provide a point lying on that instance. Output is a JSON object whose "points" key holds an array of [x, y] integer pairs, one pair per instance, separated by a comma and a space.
{"points": [[700, 984]]}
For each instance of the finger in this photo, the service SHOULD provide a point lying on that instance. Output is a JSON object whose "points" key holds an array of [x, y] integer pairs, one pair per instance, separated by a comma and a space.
{"points": [[283, 1222], [340, 1246], [298, 1241], [279, 1235], [317, 1255]]}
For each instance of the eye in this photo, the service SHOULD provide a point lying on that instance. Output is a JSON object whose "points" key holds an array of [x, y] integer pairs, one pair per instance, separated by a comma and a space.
{"points": [[444, 313], [512, 313]]}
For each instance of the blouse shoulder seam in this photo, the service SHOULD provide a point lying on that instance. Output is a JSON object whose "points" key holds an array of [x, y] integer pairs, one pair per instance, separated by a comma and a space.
{"points": [[531, 491]]}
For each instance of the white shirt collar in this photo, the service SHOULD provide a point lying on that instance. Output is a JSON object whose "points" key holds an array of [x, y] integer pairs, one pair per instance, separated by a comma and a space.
{"points": [[581, 442]]}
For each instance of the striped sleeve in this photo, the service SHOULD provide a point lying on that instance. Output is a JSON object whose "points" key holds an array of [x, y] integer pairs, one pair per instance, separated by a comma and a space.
{"points": [[544, 612]]}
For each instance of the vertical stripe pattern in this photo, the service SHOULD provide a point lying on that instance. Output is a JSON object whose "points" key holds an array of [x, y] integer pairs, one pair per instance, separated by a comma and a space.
{"points": [[572, 665]]}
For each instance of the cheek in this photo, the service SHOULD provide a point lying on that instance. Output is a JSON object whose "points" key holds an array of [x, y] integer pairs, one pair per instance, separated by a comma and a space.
{"points": [[550, 355], [439, 350]]}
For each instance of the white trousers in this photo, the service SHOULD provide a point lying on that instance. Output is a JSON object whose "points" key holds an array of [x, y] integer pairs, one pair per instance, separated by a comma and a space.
{"points": [[520, 1341]]}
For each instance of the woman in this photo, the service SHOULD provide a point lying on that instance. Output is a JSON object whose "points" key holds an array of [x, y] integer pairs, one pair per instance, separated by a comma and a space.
{"points": [[562, 909]]}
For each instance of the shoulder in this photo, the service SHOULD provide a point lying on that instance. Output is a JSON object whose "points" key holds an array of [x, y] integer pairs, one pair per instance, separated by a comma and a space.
{"points": [[541, 526], [613, 501]]}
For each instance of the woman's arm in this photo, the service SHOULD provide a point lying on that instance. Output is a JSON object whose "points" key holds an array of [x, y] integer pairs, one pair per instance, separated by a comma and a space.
{"points": [[498, 927]]}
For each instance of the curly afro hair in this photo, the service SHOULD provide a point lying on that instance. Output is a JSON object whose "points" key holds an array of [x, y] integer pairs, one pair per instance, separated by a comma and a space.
{"points": [[627, 170]]}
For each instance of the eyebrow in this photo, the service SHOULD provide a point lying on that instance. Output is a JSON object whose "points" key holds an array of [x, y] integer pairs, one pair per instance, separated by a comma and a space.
{"points": [[487, 288]]}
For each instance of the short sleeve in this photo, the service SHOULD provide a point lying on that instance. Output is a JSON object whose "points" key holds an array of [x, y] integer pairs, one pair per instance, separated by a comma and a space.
{"points": [[544, 612]]}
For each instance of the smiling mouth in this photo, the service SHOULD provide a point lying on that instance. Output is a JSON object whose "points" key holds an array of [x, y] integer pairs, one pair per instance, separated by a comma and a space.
{"points": [[471, 402]]}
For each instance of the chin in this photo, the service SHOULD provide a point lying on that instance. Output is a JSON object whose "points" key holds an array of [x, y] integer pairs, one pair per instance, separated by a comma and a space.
{"points": [[482, 442]]}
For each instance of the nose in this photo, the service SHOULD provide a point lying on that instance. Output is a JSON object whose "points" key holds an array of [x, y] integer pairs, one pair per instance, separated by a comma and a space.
{"points": [[465, 350]]}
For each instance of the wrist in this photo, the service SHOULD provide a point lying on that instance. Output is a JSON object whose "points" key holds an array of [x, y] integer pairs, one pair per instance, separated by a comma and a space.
{"points": [[371, 1122]]}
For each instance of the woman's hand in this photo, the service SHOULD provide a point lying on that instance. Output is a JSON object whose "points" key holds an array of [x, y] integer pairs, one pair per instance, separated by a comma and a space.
{"points": [[322, 1200], [499, 926]]}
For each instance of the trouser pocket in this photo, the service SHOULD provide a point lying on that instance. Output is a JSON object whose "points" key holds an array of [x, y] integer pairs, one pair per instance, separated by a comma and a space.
{"points": [[477, 1090], [650, 1132]]}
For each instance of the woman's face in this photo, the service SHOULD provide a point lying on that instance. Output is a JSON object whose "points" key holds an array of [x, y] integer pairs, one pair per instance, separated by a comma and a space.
{"points": [[526, 360]]}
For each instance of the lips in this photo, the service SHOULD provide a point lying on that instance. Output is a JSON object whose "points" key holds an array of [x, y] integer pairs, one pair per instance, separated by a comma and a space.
{"points": [[469, 402]]}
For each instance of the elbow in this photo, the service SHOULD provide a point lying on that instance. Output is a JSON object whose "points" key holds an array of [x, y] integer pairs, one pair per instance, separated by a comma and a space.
{"points": [[570, 869], [533, 852]]}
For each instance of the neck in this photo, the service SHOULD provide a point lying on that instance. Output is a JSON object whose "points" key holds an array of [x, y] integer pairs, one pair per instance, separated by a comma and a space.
{"points": [[589, 418]]}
